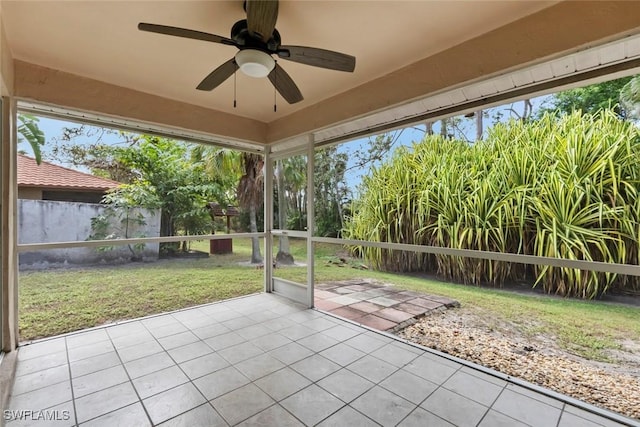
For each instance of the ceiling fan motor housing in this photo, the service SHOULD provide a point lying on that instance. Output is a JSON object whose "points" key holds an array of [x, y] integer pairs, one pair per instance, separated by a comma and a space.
{"points": [[240, 34]]}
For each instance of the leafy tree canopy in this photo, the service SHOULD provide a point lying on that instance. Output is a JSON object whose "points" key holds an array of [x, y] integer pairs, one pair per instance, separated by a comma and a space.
{"points": [[156, 173], [589, 99], [630, 97], [331, 191]]}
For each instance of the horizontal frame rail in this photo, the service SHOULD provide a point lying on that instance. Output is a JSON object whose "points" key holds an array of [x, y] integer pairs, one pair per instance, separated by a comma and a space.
{"points": [[604, 267], [290, 233], [26, 247]]}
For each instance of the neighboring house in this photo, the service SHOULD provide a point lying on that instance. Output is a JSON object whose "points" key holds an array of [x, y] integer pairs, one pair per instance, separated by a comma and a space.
{"points": [[51, 197], [47, 181]]}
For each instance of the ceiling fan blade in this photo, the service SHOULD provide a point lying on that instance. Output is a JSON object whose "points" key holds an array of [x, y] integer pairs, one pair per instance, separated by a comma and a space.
{"points": [[285, 85], [261, 17], [318, 57], [183, 32], [219, 75]]}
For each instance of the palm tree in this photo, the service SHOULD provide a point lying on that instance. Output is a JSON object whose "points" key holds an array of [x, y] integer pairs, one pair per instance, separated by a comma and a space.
{"points": [[291, 181], [244, 168], [284, 255], [29, 131], [250, 191], [223, 164]]}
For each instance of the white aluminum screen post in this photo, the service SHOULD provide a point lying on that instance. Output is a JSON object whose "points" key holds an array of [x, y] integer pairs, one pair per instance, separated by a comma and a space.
{"points": [[310, 218], [13, 295], [3, 122], [268, 221], [8, 187]]}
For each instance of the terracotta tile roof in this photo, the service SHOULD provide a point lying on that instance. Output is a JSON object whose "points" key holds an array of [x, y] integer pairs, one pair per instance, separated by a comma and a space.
{"points": [[47, 175]]}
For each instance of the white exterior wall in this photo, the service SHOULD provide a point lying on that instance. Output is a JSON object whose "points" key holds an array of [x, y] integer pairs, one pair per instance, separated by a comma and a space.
{"points": [[45, 221]]}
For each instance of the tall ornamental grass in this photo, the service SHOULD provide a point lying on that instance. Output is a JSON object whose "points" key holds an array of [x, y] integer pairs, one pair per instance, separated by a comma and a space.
{"points": [[559, 187]]}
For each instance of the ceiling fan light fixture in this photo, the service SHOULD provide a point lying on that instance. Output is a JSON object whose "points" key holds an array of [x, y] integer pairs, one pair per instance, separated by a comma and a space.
{"points": [[255, 63]]}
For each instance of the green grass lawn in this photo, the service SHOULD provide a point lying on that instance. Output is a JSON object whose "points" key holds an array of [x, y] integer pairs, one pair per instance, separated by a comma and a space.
{"points": [[64, 300], [586, 328], [58, 301]]}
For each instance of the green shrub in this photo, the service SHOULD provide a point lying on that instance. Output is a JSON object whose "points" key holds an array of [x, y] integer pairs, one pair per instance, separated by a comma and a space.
{"points": [[559, 187]]}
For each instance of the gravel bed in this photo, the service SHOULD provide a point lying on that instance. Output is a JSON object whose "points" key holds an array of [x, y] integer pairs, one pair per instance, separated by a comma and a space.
{"points": [[538, 360]]}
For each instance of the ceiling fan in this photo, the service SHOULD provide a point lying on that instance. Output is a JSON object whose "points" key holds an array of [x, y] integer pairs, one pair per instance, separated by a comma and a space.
{"points": [[257, 40]]}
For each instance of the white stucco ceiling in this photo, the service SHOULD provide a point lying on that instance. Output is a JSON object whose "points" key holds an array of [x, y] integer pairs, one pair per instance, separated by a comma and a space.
{"points": [[100, 40]]}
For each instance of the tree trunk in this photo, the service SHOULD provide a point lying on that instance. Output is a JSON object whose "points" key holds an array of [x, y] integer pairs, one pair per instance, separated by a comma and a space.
{"points": [[429, 128], [443, 128], [528, 110], [479, 125], [283, 256], [256, 257], [166, 225], [166, 229], [336, 191]]}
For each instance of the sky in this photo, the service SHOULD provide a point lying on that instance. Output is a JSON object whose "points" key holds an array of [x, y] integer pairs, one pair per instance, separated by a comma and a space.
{"points": [[53, 130], [408, 136]]}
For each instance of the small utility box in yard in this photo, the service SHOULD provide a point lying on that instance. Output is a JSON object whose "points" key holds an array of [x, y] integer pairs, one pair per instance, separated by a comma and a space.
{"points": [[221, 246]]}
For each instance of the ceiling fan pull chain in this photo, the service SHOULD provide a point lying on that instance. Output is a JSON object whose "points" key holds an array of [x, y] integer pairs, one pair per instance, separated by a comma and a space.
{"points": [[234, 87], [275, 80]]}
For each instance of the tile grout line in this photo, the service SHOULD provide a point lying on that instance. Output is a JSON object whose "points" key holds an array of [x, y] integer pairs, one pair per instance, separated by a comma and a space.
{"points": [[320, 379], [439, 386], [276, 402], [41, 387], [110, 339], [612, 416], [564, 405], [363, 329], [314, 352], [73, 398], [122, 363], [246, 340], [347, 403], [312, 382], [378, 384], [190, 381], [232, 365], [115, 350], [490, 407], [128, 377]]}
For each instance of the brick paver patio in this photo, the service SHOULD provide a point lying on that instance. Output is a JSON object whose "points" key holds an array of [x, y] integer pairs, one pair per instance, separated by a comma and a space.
{"points": [[376, 305]]}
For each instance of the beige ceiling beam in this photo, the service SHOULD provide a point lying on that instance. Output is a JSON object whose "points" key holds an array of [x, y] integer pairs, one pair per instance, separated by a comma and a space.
{"points": [[45, 85], [560, 29]]}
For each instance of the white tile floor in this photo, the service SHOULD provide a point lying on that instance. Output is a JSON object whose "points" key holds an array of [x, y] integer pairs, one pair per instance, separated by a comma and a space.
{"points": [[264, 361]]}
